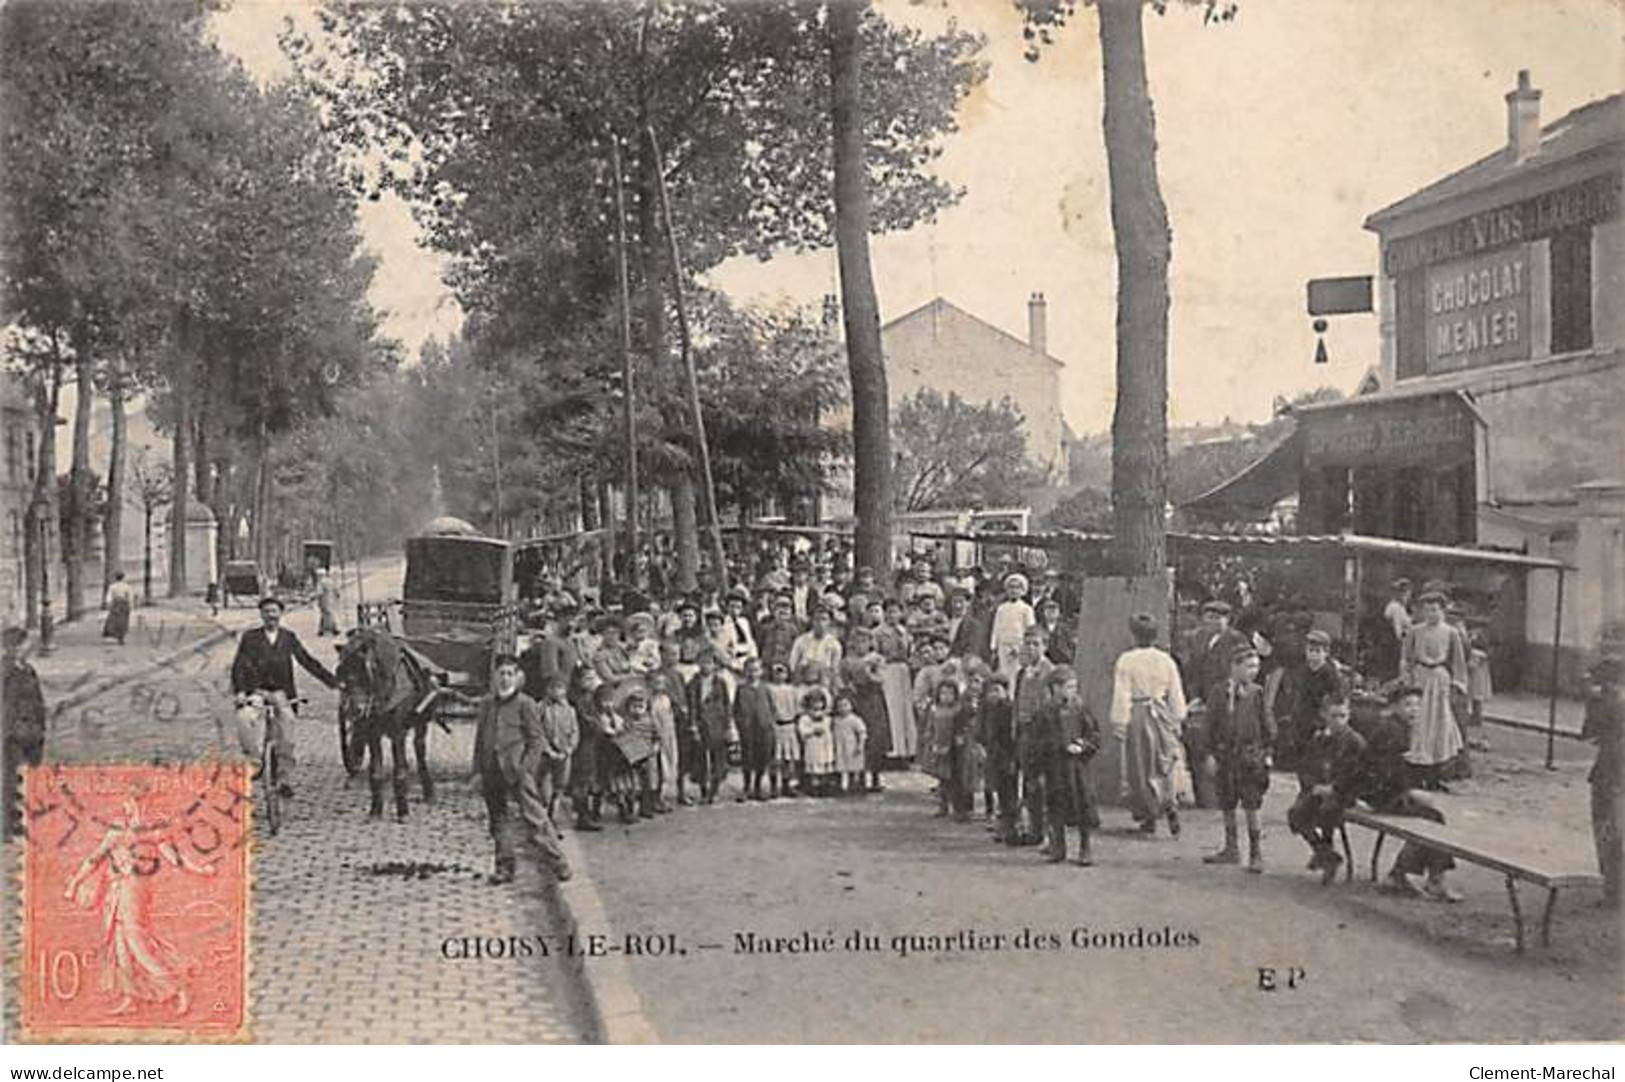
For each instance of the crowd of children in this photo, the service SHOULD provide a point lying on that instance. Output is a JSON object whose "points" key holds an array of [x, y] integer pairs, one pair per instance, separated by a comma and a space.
{"points": [[815, 682]]}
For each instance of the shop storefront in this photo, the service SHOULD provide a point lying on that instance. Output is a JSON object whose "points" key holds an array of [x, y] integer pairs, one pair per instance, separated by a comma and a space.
{"points": [[1495, 420]]}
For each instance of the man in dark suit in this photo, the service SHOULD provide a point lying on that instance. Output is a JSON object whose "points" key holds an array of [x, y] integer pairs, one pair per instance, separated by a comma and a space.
{"points": [[264, 664]]}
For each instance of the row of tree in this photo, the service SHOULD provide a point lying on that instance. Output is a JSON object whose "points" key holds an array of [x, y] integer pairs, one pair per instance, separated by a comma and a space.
{"points": [[737, 128], [169, 228]]}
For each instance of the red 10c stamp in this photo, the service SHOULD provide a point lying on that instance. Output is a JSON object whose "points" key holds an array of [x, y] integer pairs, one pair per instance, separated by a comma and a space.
{"points": [[135, 903]]}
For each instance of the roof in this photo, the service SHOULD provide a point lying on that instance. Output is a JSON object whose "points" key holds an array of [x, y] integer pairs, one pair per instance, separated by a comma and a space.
{"points": [[1274, 545], [1396, 394], [944, 303], [1590, 127]]}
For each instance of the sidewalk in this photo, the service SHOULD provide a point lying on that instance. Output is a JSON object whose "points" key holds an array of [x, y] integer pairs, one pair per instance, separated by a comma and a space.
{"points": [[1526, 710], [82, 664]]}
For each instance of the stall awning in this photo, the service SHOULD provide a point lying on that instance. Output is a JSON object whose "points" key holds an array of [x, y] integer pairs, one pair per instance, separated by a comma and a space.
{"points": [[1268, 546], [1251, 494]]}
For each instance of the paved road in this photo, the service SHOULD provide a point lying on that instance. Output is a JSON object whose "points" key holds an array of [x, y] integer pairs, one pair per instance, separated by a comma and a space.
{"points": [[350, 913], [1376, 968]]}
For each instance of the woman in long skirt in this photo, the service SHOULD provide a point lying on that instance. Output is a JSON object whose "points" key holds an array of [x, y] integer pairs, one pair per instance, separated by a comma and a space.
{"points": [[897, 682], [120, 598], [1148, 705], [863, 674], [1435, 661]]}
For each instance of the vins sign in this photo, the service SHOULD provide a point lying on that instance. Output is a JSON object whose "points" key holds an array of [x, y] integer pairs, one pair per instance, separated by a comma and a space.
{"points": [[1478, 311]]}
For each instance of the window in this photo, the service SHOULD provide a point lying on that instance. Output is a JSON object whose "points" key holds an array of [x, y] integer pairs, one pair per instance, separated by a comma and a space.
{"points": [[1571, 290]]}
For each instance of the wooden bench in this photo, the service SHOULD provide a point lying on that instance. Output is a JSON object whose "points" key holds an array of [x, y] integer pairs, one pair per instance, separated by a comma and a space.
{"points": [[1552, 873]]}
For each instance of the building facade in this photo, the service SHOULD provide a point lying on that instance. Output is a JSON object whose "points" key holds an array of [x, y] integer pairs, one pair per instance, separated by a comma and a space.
{"points": [[1497, 418], [943, 347], [20, 421]]}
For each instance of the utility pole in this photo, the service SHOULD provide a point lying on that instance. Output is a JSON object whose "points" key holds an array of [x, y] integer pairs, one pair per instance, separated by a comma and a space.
{"points": [[496, 460], [624, 345], [707, 490]]}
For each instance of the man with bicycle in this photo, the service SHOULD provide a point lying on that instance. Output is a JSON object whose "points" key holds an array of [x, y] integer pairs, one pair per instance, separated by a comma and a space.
{"points": [[264, 665]]}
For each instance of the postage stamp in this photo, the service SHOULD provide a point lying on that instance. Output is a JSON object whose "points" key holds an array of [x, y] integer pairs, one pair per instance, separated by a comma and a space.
{"points": [[135, 903]]}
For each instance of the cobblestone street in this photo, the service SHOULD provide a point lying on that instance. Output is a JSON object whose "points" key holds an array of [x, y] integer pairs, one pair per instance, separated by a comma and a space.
{"points": [[349, 913]]}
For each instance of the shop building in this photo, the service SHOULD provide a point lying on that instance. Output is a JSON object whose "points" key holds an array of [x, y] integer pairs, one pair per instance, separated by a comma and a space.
{"points": [[1495, 418]]}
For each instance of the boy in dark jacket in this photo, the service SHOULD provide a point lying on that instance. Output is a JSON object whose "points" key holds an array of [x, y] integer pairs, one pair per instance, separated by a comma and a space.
{"points": [[1330, 768], [1066, 738], [710, 713], [1239, 736], [995, 732], [754, 717]]}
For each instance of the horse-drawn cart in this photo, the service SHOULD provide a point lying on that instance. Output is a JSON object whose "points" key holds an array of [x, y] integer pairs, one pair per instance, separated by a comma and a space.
{"points": [[457, 613], [242, 578]]}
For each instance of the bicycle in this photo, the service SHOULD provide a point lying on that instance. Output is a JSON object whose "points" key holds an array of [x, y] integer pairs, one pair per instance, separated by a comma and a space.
{"points": [[269, 773]]}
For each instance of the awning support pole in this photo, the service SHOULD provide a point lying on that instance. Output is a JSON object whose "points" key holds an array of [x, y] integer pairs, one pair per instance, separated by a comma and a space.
{"points": [[1551, 691]]}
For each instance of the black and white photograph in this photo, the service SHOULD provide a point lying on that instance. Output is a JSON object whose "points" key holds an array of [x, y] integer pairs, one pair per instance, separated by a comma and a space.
{"points": [[812, 522]]}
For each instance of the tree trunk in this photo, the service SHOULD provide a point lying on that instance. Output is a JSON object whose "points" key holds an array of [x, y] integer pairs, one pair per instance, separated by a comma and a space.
{"points": [[219, 501], [606, 515], [871, 421], [1143, 239], [261, 524], [684, 520], [113, 519], [42, 505], [76, 538], [685, 527], [181, 473]]}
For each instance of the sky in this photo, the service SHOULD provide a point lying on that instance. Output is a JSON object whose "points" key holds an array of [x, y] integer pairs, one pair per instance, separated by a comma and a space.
{"points": [[1278, 133]]}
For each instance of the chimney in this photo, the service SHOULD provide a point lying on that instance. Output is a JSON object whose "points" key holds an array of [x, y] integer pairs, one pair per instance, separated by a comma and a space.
{"points": [[1523, 119], [1038, 323]]}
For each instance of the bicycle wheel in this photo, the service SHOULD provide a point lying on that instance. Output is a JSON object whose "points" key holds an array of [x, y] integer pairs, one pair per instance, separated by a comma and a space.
{"points": [[271, 779]]}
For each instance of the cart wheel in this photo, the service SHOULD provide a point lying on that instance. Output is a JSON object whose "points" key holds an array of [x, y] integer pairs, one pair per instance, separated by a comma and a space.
{"points": [[349, 753]]}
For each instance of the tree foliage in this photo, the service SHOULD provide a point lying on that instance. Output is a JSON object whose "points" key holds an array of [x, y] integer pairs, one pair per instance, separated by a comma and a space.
{"points": [[952, 453]]}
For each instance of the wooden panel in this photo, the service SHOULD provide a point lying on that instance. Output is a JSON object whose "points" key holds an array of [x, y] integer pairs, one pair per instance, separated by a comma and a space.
{"points": [[1105, 605]]}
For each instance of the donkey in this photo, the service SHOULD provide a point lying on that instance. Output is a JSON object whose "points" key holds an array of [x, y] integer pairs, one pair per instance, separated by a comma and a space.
{"points": [[388, 695]]}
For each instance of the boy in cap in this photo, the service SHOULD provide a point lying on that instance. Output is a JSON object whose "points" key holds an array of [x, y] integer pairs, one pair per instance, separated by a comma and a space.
{"points": [[1205, 666], [1066, 739], [1239, 738], [1010, 623], [1316, 681], [510, 752]]}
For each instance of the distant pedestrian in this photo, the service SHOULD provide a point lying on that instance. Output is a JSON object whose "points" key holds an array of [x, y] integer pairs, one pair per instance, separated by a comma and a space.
{"points": [[25, 719], [1604, 719], [1396, 622], [119, 601], [327, 599]]}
